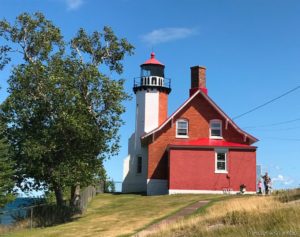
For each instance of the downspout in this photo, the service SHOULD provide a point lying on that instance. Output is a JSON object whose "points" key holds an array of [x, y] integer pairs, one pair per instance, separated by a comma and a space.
{"points": [[228, 172]]}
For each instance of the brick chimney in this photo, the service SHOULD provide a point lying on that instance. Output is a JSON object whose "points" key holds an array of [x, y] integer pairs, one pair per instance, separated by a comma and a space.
{"points": [[198, 79]]}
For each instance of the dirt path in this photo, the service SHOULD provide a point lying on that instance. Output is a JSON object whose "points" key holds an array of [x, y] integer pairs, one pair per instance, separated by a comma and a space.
{"points": [[173, 218]]}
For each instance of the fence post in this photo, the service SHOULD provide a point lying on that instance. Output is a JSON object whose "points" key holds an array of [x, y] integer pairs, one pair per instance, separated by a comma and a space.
{"points": [[31, 216]]}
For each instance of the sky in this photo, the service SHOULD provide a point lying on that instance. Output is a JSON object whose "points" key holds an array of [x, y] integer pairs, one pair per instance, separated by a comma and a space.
{"points": [[251, 50]]}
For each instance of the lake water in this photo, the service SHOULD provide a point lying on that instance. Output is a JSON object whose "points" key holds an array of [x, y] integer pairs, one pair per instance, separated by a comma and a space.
{"points": [[13, 208]]}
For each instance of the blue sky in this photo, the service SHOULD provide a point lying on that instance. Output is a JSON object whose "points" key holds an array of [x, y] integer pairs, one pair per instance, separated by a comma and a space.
{"points": [[251, 50]]}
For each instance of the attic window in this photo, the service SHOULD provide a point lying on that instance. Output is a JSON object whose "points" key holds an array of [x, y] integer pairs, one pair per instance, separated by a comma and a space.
{"points": [[182, 128], [215, 129]]}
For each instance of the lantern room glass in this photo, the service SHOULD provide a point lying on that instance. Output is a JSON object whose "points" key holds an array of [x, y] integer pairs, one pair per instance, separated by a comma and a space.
{"points": [[152, 70]]}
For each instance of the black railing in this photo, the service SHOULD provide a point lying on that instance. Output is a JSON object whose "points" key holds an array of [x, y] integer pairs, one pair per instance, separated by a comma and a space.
{"points": [[152, 83]]}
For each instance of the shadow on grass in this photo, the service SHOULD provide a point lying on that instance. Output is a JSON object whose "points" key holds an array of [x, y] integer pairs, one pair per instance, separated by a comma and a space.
{"points": [[138, 194], [51, 215]]}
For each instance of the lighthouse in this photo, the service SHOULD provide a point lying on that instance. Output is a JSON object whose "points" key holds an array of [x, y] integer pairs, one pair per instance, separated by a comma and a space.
{"points": [[197, 149], [151, 90]]}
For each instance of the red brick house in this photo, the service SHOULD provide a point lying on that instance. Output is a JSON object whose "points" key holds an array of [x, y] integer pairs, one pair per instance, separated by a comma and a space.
{"points": [[198, 149]]}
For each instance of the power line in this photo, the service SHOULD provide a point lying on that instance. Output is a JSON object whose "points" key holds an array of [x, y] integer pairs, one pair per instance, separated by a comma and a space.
{"points": [[276, 129], [282, 139], [273, 124], [268, 102]]}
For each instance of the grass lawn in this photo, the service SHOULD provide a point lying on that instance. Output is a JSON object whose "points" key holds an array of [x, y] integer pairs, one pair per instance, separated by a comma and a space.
{"points": [[242, 216], [117, 215]]}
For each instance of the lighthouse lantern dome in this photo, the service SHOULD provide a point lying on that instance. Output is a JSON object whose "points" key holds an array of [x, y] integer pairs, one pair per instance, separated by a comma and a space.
{"points": [[152, 77], [152, 67]]}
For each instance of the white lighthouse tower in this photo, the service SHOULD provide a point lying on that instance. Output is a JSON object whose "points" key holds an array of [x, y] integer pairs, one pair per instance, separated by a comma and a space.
{"points": [[151, 90]]}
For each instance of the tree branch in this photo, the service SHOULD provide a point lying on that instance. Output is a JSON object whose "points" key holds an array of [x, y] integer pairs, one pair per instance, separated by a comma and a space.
{"points": [[25, 46]]}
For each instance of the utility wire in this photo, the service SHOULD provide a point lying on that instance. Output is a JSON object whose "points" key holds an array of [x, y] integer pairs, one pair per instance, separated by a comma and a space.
{"points": [[282, 139], [276, 129], [273, 124], [268, 102]]}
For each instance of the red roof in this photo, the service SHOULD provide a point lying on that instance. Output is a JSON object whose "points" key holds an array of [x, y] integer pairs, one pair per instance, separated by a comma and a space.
{"points": [[206, 142], [153, 60]]}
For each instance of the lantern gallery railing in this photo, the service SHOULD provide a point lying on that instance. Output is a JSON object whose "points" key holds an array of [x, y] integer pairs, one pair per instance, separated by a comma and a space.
{"points": [[152, 81]]}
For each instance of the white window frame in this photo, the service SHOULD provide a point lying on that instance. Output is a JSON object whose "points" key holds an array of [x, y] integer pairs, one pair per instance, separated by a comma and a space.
{"points": [[215, 121], [187, 128], [225, 151]]}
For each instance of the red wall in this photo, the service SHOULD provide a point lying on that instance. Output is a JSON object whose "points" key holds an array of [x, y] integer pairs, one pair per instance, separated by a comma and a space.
{"points": [[163, 107], [198, 112], [195, 170]]}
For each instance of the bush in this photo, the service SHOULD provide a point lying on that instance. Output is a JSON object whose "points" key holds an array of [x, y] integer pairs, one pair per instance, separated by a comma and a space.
{"points": [[288, 195], [109, 186]]}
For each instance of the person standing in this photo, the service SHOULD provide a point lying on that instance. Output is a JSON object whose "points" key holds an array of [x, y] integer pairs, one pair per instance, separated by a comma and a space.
{"points": [[267, 182], [259, 185]]}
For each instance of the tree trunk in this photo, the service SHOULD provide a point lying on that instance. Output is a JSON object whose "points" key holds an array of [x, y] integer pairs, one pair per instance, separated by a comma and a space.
{"points": [[58, 195], [75, 195], [73, 188]]}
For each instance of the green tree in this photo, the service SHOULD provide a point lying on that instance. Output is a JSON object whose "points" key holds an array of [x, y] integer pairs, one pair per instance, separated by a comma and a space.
{"points": [[63, 112], [6, 170]]}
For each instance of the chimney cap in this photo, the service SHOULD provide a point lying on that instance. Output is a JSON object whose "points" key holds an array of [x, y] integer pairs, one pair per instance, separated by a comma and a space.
{"points": [[198, 66]]}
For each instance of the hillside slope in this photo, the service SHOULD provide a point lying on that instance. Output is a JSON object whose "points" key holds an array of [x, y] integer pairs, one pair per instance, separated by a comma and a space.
{"points": [[115, 215], [276, 215]]}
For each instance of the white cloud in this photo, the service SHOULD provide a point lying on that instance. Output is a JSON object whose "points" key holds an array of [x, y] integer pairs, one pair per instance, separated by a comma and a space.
{"points": [[73, 4], [281, 180], [167, 34]]}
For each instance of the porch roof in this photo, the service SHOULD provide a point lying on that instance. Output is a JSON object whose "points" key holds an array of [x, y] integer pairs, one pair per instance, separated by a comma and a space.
{"points": [[208, 143]]}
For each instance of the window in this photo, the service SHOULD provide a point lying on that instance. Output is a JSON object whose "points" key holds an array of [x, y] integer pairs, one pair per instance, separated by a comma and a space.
{"points": [[216, 128], [181, 128], [139, 165], [145, 72], [221, 161]]}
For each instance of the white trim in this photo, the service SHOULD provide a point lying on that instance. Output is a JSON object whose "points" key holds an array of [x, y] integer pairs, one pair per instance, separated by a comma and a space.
{"points": [[213, 104], [216, 137], [187, 128], [221, 150], [191, 191], [221, 172], [217, 121], [182, 136], [226, 124]]}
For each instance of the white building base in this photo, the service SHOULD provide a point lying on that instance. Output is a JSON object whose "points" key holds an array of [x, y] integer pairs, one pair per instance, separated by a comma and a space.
{"points": [[185, 191], [157, 187], [134, 187], [132, 182]]}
